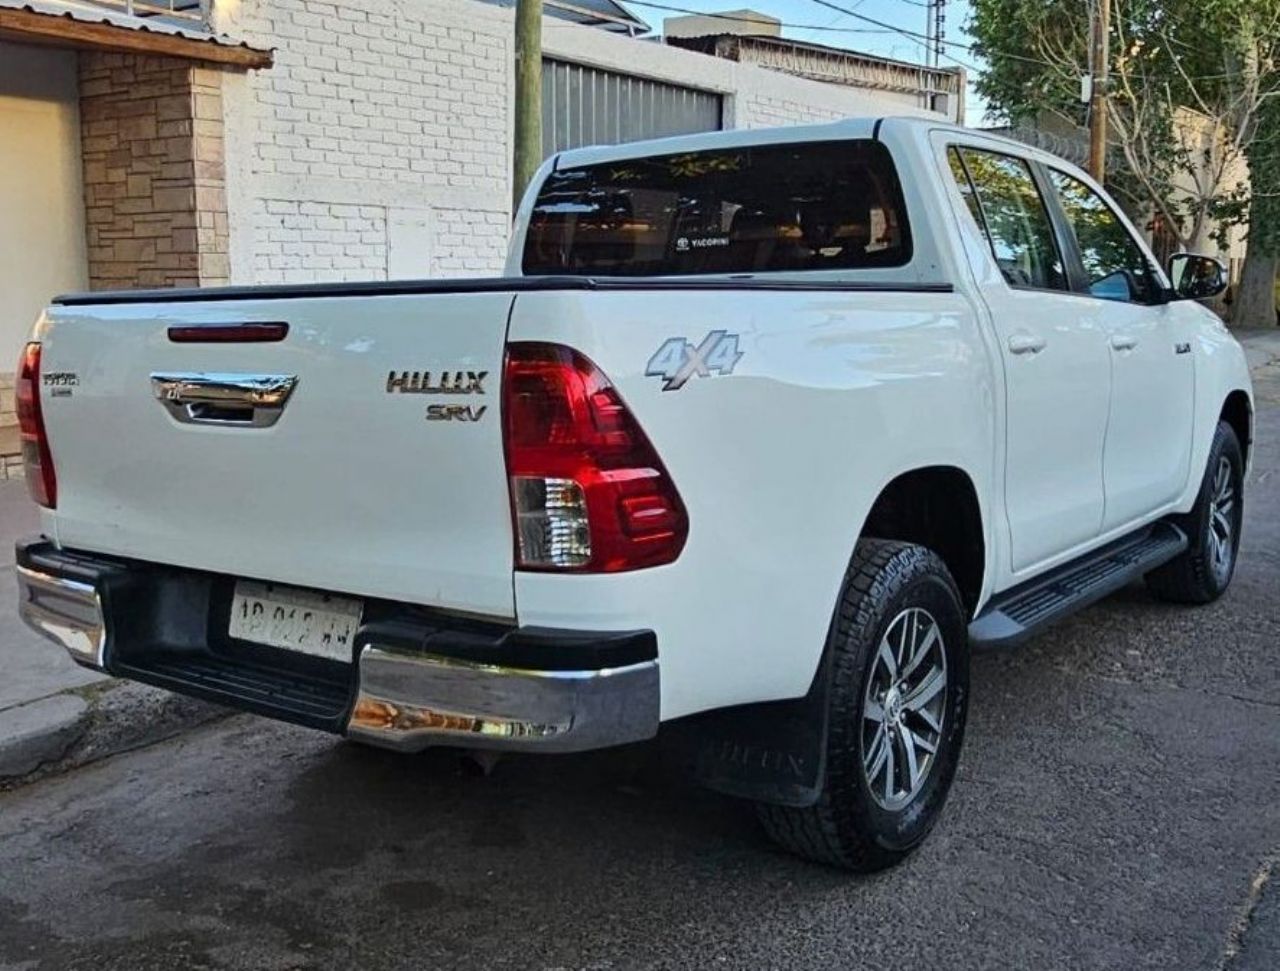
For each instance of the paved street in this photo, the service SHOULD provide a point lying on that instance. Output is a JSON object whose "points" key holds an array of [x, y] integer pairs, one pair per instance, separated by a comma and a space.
{"points": [[54, 713], [1118, 806], [30, 671]]}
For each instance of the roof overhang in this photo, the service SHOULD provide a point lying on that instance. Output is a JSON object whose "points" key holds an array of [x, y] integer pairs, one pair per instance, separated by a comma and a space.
{"points": [[606, 14], [86, 27]]}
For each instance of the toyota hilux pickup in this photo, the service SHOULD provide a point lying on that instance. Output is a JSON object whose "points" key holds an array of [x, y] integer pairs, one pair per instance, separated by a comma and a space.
{"points": [[759, 436]]}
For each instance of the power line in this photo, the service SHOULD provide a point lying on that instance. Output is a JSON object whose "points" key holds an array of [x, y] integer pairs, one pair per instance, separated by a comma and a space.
{"points": [[879, 27], [917, 36], [749, 20]]}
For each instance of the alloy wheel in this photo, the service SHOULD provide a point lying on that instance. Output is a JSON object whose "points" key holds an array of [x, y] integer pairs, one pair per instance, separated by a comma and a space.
{"points": [[904, 708], [1222, 519]]}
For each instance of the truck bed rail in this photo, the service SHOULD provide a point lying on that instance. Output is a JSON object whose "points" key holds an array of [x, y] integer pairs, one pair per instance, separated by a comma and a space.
{"points": [[386, 288]]}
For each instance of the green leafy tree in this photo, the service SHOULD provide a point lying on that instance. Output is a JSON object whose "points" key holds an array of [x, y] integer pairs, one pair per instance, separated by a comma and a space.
{"points": [[1255, 299], [1190, 81]]}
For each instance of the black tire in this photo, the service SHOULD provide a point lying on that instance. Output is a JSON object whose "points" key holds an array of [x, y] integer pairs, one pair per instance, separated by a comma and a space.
{"points": [[1197, 576], [848, 826]]}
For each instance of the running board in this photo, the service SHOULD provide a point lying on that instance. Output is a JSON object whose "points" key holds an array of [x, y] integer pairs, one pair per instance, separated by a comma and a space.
{"points": [[1017, 614]]}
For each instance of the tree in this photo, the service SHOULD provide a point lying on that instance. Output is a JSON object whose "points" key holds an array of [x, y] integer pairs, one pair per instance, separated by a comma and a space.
{"points": [[1255, 299], [1189, 79]]}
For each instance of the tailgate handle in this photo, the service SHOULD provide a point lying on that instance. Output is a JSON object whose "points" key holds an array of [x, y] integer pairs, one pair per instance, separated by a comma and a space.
{"points": [[203, 398]]}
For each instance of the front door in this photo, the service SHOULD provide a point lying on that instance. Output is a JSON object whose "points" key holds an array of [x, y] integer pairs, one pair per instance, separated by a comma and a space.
{"points": [[1148, 443]]}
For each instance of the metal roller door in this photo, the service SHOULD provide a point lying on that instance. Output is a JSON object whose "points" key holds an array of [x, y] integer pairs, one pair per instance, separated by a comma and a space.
{"points": [[587, 106]]}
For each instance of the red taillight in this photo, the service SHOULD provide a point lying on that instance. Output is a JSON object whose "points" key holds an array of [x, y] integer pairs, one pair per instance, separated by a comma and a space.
{"points": [[588, 492], [41, 480]]}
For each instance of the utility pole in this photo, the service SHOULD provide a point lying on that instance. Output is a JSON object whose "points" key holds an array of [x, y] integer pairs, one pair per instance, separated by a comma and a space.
{"points": [[1099, 61], [935, 20], [939, 31], [528, 123], [928, 33], [935, 28]]}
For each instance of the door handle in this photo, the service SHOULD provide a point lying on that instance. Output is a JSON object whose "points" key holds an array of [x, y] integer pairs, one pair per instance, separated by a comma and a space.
{"points": [[1027, 344], [200, 398], [1123, 342]]}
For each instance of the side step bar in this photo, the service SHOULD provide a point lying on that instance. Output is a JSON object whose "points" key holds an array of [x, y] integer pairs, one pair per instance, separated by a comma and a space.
{"points": [[1017, 614]]}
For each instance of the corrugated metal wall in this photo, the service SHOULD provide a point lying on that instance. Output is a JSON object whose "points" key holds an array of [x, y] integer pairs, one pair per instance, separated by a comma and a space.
{"points": [[587, 106]]}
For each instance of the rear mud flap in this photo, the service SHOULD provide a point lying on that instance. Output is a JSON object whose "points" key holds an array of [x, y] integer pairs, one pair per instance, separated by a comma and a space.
{"points": [[773, 752]]}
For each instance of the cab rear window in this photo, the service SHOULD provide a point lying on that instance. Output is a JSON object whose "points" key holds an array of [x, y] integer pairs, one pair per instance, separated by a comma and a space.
{"points": [[759, 209]]}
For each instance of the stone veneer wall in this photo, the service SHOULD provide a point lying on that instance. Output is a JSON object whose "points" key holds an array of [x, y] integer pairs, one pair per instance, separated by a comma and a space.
{"points": [[154, 185], [10, 455], [154, 173]]}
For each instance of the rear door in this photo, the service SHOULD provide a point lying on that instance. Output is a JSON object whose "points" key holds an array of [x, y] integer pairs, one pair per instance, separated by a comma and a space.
{"points": [[379, 472], [1056, 361], [1147, 455]]}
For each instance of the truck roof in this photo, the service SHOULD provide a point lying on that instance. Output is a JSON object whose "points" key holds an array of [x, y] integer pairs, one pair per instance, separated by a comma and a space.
{"points": [[868, 126]]}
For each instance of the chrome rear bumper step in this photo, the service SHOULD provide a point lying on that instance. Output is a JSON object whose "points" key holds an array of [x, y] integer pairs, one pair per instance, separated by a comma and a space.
{"points": [[416, 678]]}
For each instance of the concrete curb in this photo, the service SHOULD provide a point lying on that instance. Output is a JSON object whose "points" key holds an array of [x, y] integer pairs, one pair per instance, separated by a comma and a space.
{"points": [[41, 731], [72, 729]]}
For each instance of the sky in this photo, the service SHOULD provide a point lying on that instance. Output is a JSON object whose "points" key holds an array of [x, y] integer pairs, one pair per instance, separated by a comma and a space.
{"points": [[853, 33]]}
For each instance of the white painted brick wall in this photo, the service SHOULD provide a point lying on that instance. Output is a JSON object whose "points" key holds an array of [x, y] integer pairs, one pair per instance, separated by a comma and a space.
{"points": [[312, 241], [379, 143], [763, 111], [470, 243], [374, 92], [371, 109]]}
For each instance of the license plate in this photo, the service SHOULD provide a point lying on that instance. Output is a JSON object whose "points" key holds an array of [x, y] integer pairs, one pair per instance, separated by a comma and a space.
{"points": [[319, 624]]}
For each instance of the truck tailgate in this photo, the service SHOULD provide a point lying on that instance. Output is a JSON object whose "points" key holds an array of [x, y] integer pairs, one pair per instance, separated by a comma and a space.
{"points": [[351, 489]]}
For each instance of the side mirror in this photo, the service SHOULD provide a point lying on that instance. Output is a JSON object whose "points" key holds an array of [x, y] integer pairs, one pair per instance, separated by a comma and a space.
{"points": [[1196, 277]]}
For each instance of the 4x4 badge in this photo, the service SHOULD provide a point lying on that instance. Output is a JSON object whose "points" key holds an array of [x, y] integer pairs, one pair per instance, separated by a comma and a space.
{"points": [[678, 360]]}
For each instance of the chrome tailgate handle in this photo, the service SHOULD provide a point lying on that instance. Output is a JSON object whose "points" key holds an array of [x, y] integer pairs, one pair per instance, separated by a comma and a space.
{"points": [[210, 398]]}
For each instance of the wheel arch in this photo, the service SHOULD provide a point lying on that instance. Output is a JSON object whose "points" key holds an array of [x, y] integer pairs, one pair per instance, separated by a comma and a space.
{"points": [[1237, 411], [936, 506], [773, 751]]}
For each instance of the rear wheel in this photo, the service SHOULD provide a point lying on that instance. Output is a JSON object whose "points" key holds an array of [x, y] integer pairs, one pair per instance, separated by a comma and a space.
{"points": [[1202, 573], [897, 702]]}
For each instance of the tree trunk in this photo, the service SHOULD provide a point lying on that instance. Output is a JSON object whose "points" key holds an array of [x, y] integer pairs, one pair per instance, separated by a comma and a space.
{"points": [[1255, 298]]}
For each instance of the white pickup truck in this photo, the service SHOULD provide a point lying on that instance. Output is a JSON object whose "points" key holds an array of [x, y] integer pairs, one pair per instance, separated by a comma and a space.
{"points": [[759, 436]]}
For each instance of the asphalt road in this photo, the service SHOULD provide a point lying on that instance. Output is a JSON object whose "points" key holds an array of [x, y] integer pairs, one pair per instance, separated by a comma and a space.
{"points": [[1118, 806]]}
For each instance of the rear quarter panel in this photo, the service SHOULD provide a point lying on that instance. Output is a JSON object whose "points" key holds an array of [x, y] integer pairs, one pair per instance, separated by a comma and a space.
{"points": [[836, 393]]}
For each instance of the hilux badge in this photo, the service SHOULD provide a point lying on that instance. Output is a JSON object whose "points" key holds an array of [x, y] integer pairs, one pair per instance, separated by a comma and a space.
{"points": [[678, 360], [446, 382]]}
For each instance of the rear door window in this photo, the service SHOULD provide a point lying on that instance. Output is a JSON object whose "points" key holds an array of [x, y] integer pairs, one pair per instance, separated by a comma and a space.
{"points": [[756, 209]]}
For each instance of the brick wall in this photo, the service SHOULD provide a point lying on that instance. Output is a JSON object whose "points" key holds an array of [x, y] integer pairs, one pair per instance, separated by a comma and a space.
{"points": [[470, 242], [379, 144], [304, 241], [154, 178], [760, 110]]}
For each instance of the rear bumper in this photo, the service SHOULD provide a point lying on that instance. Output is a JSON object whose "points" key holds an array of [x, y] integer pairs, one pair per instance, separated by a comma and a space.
{"points": [[416, 678]]}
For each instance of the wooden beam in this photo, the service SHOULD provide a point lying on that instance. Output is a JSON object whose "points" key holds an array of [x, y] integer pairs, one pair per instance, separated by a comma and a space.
{"points": [[23, 26]]}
